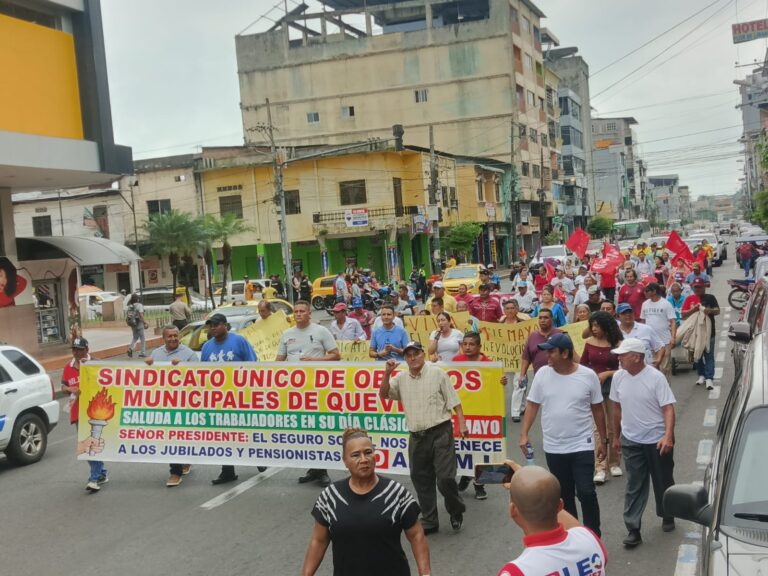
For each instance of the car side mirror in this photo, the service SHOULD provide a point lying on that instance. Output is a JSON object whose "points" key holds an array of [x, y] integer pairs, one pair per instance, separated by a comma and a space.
{"points": [[688, 502], [740, 332]]}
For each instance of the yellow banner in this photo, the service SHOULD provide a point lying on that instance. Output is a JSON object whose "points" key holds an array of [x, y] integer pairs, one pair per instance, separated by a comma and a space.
{"points": [[269, 414], [420, 327], [264, 335], [354, 350]]}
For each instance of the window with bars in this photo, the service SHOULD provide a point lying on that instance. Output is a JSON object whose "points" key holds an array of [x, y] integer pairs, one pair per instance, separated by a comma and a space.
{"points": [[347, 111], [158, 206], [536, 171], [292, 202], [610, 127], [533, 135], [531, 98], [497, 190], [526, 169], [527, 62], [421, 95], [479, 188], [352, 192], [523, 130], [313, 117], [231, 205], [544, 140], [41, 226]]}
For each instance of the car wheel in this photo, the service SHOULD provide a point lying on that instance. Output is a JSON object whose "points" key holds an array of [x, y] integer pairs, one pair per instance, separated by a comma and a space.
{"points": [[28, 441], [318, 303]]}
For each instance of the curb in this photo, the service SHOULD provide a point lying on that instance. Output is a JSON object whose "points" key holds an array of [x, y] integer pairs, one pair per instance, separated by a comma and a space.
{"points": [[58, 362]]}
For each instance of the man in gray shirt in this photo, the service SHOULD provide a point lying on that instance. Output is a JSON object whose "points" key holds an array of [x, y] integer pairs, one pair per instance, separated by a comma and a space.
{"points": [[175, 352], [308, 342]]}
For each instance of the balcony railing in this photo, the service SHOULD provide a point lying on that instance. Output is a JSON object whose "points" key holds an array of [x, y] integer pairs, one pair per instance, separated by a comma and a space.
{"points": [[373, 213]]}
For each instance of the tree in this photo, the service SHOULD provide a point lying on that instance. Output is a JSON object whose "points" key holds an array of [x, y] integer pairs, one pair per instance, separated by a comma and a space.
{"points": [[220, 230], [600, 227], [554, 237], [462, 237], [175, 235]]}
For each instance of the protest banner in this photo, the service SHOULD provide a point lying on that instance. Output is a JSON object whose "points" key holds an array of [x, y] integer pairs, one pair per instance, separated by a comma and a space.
{"points": [[269, 414], [354, 350], [419, 328], [264, 335]]}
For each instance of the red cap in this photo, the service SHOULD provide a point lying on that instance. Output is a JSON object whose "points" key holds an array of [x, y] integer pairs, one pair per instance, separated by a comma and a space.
{"points": [[340, 307]]}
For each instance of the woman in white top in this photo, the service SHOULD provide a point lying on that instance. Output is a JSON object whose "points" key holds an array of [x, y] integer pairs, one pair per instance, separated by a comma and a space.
{"points": [[445, 342]]}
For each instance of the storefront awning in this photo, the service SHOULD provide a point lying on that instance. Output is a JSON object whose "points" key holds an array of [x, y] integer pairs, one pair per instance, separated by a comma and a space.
{"points": [[491, 168], [83, 250]]}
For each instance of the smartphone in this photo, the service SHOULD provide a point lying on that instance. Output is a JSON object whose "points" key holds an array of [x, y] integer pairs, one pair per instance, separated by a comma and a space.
{"points": [[493, 473]]}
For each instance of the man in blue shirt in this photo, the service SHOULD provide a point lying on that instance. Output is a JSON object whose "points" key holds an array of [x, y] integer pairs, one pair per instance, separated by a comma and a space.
{"points": [[697, 273], [388, 341], [225, 347]]}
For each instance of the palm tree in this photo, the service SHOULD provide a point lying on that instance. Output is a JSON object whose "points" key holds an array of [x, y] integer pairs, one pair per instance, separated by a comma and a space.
{"points": [[220, 229], [176, 235]]}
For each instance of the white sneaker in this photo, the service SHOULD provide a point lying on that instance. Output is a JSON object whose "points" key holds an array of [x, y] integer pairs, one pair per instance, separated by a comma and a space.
{"points": [[700, 381], [92, 487], [599, 477], [616, 471], [710, 384]]}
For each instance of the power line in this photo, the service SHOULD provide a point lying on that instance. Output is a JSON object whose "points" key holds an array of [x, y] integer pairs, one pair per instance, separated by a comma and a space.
{"points": [[666, 102]]}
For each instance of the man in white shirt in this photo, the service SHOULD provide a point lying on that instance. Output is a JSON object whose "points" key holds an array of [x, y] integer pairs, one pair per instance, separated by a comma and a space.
{"points": [[524, 297], [654, 347], [659, 315], [643, 265], [644, 420], [581, 276], [566, 285], [344, 328], [569, 397]]}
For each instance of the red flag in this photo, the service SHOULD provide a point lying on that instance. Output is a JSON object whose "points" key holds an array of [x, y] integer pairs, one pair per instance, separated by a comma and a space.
{"points": [[550, 271], [578, 242], [679, 248]]}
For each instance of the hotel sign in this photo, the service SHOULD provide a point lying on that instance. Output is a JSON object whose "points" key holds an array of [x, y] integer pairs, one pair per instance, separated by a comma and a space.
{"points": [[746, 31]]}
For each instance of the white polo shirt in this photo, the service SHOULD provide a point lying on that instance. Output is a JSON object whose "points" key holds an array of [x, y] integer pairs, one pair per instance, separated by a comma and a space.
{"points": [[642, 398], [653, 342], [566, 408], [657, 316]]}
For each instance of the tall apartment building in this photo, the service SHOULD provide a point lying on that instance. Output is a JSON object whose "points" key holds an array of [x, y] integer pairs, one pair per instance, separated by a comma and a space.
{"points": [[575, 115], [610, 137], [472, 69], [754, 113], [666, 202]]}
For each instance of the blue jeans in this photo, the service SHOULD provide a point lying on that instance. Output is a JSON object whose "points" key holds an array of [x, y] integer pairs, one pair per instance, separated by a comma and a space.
{"points": [[97, 470], [705, 366], [747, 266]]}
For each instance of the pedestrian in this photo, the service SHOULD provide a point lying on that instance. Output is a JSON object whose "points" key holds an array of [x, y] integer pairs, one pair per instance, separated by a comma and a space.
{"points": [[438, 291], [608, 285], [340, 288], [495, 278], [463, 295], [644, 420], [632, 292], [707, 304], [485, 308], [305, 288], [343, 327], [427, 397], [654, 346], [70, 384], [134, 317], [555, 543], [265, 309], [534, 357], [659, 315], [269, 292], [181, 313], [676, 299], [363, 516], [225, 346], [308, 342], [746, 252], [524, 297], [173, 352], [389, 340], [366, 318], [608, 306], [445, 341], [565, 284], [471, 351], [569, 397], [604, 336], [697, 273], [548, 303], [277, 284], [643, 266], [247, 289], [473, 324]]}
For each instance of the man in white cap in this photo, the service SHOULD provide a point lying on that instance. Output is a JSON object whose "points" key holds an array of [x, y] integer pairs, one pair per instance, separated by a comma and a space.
{"points": [[525, 297], [438, 291], [644, 421], [566, 285]]}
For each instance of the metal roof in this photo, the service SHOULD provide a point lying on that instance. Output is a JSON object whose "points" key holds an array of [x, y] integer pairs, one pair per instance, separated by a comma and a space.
{"points": [[83, 250]]}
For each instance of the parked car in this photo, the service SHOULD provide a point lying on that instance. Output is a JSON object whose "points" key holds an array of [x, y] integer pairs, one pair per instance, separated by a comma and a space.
{"points": [[94, 300], [28, 408], [719, 246], [468, 274], [158, 299], [732, 503], [754, 321], [322, 287], [236, 289], [557, 252], [250, 309], [195, 335]]}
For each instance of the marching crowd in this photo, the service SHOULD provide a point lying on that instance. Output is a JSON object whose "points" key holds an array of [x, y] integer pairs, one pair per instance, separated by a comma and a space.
{"points": [[612, 401]]}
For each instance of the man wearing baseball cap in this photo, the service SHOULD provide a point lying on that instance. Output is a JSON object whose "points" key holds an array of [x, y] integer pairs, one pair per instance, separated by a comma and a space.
{"points": [[644, 420], [427, 396], [484, 307], [654, 346], [343, 327], [707, 304], [524, 297], [438, 291], [569, 397]]}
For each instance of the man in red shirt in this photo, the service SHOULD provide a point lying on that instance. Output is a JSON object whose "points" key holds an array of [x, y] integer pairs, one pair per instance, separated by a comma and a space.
{"points": [[484, 307], [70, 383], [632, 292]]}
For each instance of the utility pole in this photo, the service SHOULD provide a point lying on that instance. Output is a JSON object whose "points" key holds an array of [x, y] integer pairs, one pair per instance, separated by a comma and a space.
{"points": [[433, 201], [61, 213], [512, 191], [277, 168], [541, 196], [136, 237]]}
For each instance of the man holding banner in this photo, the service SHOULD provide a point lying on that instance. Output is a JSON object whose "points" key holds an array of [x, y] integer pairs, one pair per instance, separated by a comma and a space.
{"points": [[308, 342], [428, 398]]}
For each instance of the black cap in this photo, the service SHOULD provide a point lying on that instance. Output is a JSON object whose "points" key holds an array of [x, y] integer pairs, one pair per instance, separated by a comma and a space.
{"points": [[559, 341], [216, 319], [415, 345], [80, 343]]}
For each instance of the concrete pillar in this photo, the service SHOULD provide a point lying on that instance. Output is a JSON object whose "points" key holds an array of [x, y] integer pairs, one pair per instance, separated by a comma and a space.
{"points": [[135, 275], [368, 24], [7, 232], [428, 9]]}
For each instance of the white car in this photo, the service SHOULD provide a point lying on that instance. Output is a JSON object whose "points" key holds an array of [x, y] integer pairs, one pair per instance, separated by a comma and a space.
{"points": [[557, 252], [28, 408], [159, 299], [94, 300]]}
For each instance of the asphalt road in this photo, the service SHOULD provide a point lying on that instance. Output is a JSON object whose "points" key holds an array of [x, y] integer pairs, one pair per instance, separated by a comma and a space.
{"points": [[261, 525]]}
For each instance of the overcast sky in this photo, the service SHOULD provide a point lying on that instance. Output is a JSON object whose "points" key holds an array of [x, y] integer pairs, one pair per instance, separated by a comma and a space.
{"points": [[173, 76]]}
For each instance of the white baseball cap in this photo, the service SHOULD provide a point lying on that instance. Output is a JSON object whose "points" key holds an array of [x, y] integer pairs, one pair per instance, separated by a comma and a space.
{"points": [[630, 345], [438, 284]]}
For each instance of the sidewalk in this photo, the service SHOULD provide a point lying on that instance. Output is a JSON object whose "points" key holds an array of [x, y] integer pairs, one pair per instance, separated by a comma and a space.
{"points": [[103, 343]]}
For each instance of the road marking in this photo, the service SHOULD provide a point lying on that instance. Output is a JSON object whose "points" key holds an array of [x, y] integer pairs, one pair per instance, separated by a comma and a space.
{"points": [[714, 394], [239, 489], [704, 455], [723, 343], [720, 357], [687, 558], [710, 417], [718, 373], [727, 309]]}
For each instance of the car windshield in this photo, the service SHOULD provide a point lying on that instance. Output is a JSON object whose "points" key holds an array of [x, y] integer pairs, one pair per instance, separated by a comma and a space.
{"points": [[236, 310], [746, 501], [460, 272], [552, 251]]}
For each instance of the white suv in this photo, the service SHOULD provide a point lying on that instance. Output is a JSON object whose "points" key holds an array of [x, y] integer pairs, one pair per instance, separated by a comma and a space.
{"points": [[28, 408]]}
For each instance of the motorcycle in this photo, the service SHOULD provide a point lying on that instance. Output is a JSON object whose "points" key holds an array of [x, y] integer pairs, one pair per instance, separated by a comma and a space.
{"points": [[739, 296]]}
